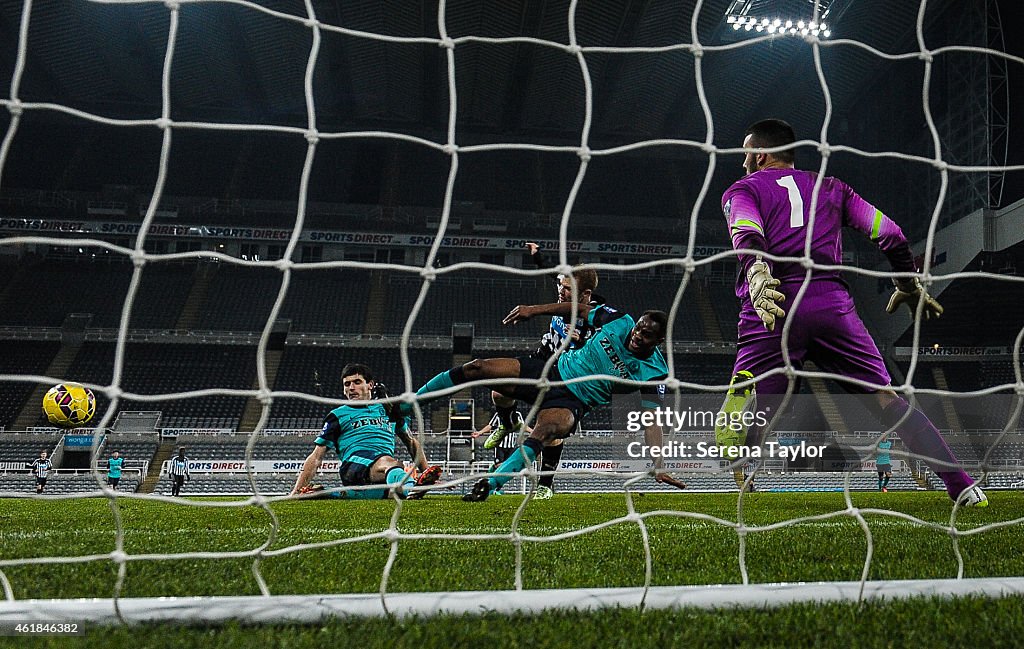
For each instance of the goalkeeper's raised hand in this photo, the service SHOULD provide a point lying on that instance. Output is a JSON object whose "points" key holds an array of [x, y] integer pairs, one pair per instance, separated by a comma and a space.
{"points": [[910, 292], [763, 295]]}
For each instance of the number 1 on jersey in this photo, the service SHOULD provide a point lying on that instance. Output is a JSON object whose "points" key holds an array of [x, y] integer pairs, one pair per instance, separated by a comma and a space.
{"points": [[796, 201]]}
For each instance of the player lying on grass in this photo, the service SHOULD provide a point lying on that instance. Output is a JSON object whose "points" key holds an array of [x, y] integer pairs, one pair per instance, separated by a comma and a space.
{"points": [[363, 437], [619, 347], [768, 210]]}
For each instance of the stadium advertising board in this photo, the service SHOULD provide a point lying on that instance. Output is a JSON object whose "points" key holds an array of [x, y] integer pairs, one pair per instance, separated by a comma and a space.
{"points": [[469, 242], [258, 466], [955, 351], [78, 440]]}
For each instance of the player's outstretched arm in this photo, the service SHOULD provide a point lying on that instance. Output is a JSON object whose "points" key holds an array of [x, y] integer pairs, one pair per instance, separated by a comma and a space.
{"points": [[524, 312], [486, 430], [413, 446], [309, 468], [763, 296], [654, 436], [911, 292]]}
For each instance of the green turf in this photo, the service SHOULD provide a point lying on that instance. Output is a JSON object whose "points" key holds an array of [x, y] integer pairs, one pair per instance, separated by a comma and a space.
{"points": [[685, 551]]}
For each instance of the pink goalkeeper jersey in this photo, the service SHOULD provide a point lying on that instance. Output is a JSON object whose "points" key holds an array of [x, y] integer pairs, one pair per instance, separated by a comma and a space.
{"points": [[775, 204]]}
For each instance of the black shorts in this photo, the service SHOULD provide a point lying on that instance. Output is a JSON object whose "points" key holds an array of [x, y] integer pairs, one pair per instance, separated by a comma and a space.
{"points": [[113, 482], [41, 482], [501, 454], [356, 473], [557, 397], [883, 468]]}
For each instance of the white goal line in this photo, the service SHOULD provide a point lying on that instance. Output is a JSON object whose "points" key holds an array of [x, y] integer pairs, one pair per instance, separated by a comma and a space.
{"points": [[311, 609]]}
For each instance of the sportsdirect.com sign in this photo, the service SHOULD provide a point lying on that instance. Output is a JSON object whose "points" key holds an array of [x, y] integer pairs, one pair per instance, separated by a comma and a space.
{"points": [[258, 466], [48, 226]]}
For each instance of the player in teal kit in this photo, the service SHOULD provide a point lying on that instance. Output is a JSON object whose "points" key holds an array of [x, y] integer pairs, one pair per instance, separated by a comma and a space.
{"points": [[363, 437], [114, 465], [619, 348], [768, 211], [883, 464]]}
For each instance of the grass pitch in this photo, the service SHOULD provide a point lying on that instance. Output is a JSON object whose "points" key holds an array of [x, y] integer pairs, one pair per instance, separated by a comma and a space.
{"points": [[685, 550]]}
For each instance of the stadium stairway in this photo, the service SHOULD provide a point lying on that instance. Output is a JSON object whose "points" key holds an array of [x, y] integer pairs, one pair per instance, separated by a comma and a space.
{"points": [[163, 453], [947, 404], [708, 317], [825, 401], [253, 407], [29, 415], [376, 304], [439, 416], [197, 296], [921, 480]]}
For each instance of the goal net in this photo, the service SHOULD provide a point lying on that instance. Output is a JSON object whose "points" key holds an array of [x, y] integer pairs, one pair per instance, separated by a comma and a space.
{"points": [[653, 96]]}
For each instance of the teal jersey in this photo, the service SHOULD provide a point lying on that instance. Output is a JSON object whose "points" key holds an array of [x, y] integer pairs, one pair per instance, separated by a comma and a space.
{"points": [[883, 452], [358, 428], [606, 353], [114, 467]]}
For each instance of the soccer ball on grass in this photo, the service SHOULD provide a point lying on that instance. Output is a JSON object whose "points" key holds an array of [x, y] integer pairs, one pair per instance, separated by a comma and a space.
{"points": [[69, 405]]}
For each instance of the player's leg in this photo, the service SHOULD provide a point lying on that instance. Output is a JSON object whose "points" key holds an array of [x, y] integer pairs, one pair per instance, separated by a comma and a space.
{"points": [[501, 454], [922, 438], [759, 353], [845, 347], [550, 457], [881, 480], [388, 470], [505, 397], [481, 368], [40, 483], [729, 428], [505, 407], [356, 470], [552, 423]]}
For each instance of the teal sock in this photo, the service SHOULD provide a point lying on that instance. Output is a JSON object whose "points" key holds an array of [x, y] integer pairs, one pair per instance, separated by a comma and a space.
{"points": [[440, 382], [515, 463], [397, 476]]}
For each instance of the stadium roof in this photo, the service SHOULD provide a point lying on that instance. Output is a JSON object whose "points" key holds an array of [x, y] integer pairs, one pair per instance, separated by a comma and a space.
{"points": [[235, 64]]}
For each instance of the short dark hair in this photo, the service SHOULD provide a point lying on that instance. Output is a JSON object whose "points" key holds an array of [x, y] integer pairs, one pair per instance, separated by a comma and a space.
{"points": [[357, 368], [770, 133], [586, 278], [658, 317]]}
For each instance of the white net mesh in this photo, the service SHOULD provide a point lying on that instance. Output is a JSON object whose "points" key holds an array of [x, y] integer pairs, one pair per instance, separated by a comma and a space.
{"points": [[452, 146]]}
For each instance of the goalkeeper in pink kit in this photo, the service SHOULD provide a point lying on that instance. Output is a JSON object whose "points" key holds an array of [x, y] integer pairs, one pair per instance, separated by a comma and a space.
{"points": [[767, 211]]}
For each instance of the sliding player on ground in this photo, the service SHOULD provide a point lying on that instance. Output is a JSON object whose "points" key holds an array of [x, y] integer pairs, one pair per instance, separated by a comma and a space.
{"points": [[363, 437]]}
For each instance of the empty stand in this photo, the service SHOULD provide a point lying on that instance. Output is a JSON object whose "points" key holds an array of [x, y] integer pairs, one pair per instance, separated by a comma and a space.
{"points": [[21, 357], [239, 298], [316, 370], [152, 368], [327, 301], [43, 294]]}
